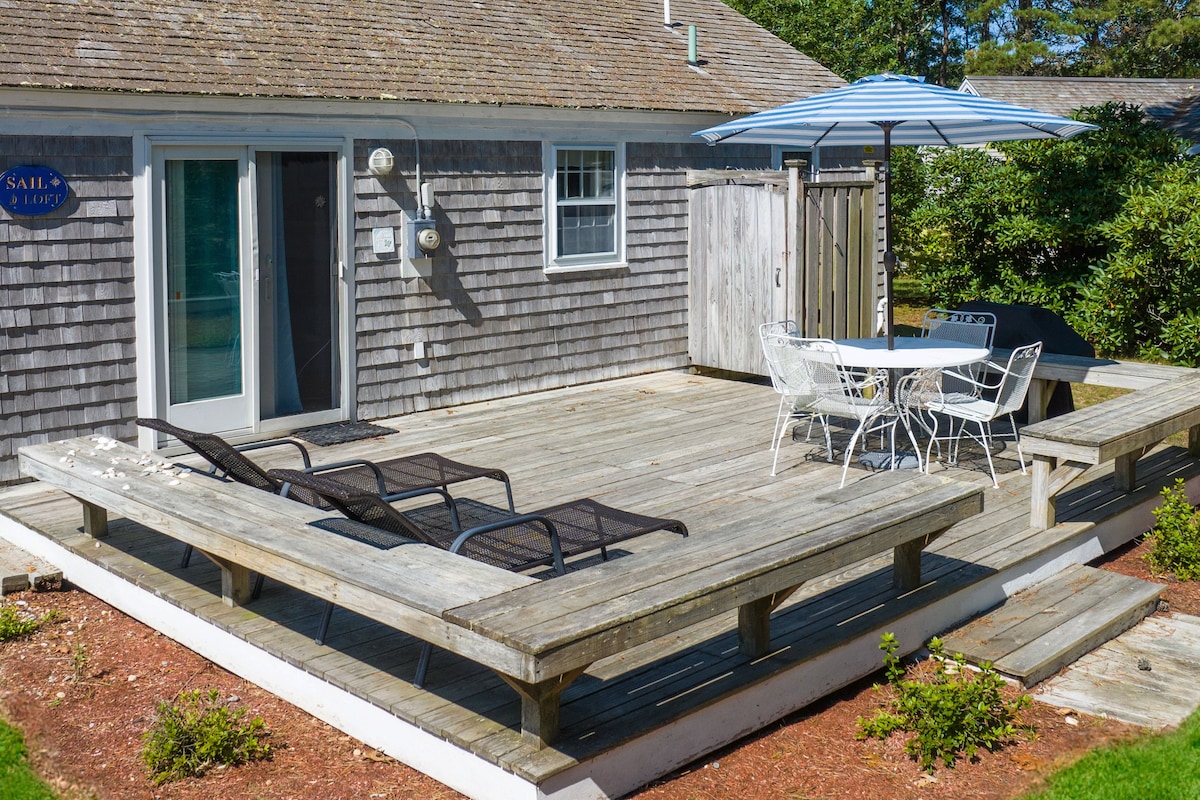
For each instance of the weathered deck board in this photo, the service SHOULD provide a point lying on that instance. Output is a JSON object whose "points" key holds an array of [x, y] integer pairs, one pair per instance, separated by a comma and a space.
{"points": [[668, 444], [1049, 625], [1109, 681]]}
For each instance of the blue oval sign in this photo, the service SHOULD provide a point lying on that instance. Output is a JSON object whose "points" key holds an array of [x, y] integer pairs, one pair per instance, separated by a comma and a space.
{"points": [[32, 191]]}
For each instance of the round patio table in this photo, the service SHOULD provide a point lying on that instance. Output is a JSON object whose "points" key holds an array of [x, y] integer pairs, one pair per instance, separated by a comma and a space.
{"points": [[909, 352]]}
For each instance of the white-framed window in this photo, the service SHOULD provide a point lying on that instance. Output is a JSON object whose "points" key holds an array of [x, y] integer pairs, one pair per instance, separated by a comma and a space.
{"points": [[585, 207]]}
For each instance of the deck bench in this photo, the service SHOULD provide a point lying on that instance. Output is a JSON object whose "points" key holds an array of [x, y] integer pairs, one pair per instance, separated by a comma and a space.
{"points": [[612, 607], [1120, 430], [245, 530], [1053, 368], [537, 635]]}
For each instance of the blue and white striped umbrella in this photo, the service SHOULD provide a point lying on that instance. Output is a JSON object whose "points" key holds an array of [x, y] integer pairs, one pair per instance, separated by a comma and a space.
{"points": [[892, 109], [918, 113]]}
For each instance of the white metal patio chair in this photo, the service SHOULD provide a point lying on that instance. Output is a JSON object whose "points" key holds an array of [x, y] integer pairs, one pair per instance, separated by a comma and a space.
{"points": [[791, 381], [969, 327], [1011, 383], [840, 392], [976, 328]]}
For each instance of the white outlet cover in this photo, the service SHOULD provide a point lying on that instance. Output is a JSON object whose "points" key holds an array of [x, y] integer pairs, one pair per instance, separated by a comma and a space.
{"points": [[383, 241]]}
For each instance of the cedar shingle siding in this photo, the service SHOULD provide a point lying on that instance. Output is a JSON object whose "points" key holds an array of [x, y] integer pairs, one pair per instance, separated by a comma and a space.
{"points": [[66, 299], [495, 324]]}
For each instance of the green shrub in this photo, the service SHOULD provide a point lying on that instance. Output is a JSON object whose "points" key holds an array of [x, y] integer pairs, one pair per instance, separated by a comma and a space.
{"points": [[14, 624], [1140, 299], [197, 733], [1175, 537], [950, 713]]}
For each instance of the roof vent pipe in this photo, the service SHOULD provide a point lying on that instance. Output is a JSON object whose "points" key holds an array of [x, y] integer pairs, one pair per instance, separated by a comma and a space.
{"points": [[667, 13], [692, 45]]}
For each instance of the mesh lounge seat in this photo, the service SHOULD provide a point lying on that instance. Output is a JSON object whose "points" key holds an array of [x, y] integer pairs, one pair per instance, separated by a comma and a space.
{"points": [[395, 478], [544, 537]]}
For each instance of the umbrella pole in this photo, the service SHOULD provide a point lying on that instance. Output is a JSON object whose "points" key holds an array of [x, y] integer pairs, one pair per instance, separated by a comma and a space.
{"points": [[889, 257]]}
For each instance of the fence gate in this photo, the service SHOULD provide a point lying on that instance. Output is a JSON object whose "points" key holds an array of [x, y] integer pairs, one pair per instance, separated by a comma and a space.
{"points": [[743, 269]]}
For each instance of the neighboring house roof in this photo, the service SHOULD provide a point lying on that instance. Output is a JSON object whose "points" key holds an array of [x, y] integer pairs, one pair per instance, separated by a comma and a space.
{"points": [[571, 54], [1173, 102]]}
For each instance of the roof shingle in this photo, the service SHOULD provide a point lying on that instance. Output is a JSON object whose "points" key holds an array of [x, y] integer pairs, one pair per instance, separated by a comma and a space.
{"points": [[572, 54], [1174, 102]]}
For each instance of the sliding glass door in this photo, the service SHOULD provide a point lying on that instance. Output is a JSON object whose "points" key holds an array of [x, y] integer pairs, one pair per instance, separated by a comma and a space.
{"points": [[250, 303]]}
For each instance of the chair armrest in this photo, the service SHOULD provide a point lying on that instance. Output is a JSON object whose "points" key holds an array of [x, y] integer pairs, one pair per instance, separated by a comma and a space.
{"points": [[522, 519], [989, 368], [276, 443], [353, 462]]}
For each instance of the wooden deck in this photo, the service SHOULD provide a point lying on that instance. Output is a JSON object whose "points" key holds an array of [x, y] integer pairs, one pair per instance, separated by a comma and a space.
{"points": [[668, 444]]}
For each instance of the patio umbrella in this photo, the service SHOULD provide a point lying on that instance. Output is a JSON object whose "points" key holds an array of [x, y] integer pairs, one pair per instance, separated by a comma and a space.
{"points": [[892, 109]]}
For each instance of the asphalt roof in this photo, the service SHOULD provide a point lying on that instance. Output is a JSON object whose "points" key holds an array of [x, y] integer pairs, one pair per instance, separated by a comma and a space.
{"points": [[570, 54], [1174, 102]]}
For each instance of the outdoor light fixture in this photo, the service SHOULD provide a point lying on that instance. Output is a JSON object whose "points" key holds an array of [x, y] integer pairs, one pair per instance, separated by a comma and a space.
{"points": [[381, 161]]}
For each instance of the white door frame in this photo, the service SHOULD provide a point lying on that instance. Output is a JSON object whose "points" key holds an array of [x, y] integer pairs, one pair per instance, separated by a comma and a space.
{"points": [[149, 243]]}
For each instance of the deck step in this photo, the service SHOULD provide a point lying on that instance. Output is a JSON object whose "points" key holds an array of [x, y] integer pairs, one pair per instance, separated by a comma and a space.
{"points": [[1049, 625], [20, 571]]}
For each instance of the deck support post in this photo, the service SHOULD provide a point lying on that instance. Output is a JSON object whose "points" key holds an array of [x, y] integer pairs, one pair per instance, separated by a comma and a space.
{"points": [[754, 622], [1193, 440], [1125, 470], [906, 561], [236, 586], [95, 520], [1041, 515], [540, 706], [1051, 476], [1040, 391]]}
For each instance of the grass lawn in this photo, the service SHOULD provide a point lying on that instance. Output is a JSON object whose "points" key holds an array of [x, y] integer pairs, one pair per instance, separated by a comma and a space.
{"points": [[17, 782], [1163, 766]]}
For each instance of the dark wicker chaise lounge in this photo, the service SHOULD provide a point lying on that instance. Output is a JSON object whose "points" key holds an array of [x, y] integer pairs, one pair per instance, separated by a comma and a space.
{"points": [[520, 542], [395, 478]]}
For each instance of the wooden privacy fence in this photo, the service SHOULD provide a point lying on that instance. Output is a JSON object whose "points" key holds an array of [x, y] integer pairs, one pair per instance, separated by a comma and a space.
{"points": [[766, 246]]}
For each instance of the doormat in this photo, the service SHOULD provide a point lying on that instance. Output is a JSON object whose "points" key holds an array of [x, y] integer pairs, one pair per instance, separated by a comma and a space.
{"points": [[341, 432]]}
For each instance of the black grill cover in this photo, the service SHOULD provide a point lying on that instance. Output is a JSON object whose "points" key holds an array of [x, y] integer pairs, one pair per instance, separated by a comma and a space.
{"points": [[1018, 325]]}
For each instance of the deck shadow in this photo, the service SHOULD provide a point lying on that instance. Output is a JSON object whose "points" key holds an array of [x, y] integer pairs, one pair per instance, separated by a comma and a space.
{"points": [[613, 703]]}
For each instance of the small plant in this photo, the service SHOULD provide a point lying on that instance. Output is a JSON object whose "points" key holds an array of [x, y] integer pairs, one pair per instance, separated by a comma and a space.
{"points": [[15, 624], [197, 733], [1175, 537], [80, 658], [951, 712]]}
